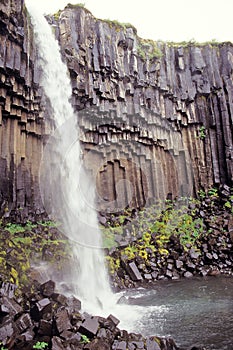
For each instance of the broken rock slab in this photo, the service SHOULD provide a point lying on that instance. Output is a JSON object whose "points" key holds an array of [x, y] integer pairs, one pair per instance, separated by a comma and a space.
{"points": [[89, 327], [133, 271]]}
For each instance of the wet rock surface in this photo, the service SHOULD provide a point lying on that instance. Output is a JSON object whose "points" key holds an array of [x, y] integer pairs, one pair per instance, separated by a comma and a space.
{"points": [[38, 318]]}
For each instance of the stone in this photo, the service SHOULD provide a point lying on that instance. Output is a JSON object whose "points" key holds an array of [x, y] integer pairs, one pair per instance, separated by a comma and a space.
{"points": [[147, 276], [209, 256], [119, 345], [133, 271], [89, 327], [62, 320], [194, 254], [7, 329], [45, 327], [7, 289], [41, 308], [11, 305], [28, 335], [190, 265], [60, 298], [23, 323], [152, 344], [154, 275], [113, 320], [74, 304], [57, 344], [188, 274], [102, 220], [179, 264], [47, 288], [98, 344]]}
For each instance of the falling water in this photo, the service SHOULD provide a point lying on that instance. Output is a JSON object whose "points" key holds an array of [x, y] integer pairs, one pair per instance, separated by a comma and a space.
{"points": [[65, 180]]}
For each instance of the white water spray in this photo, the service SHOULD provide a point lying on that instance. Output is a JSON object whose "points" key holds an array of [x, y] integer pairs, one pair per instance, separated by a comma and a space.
{"points": [[71, 191]]}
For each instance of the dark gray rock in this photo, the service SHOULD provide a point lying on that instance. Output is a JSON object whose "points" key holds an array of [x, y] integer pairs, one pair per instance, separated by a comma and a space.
{"points": [[7, 329], [188, 274], [45, 327], [119, 345], [73, 304], [133, 271], [23, 323], [179, 264], [62, 320], [7, 289], [113, 321], [98, 344], [89, 327], [11, 305], [57, 344], [47, 288], [41, 308], [147, 276]]}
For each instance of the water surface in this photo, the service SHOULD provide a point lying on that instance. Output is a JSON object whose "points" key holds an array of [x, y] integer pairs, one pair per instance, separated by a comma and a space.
{"points": [[196, 311]]}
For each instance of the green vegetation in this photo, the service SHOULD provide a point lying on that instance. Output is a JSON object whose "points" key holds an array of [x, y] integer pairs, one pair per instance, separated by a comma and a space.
{"points": [[73, 6], [57, 15], [2, 347], [84, 339], [40, 345], [156, 228], [202, 132], [193, 42], [118, 25], [148, 49], [20, 244]]}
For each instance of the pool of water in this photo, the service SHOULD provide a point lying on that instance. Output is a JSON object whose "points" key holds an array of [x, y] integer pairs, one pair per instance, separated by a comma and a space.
{"points": [[197, 311]]}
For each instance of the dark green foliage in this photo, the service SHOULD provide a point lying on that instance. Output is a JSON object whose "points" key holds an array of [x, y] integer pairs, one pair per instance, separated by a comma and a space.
{"points": [[20, 244]]}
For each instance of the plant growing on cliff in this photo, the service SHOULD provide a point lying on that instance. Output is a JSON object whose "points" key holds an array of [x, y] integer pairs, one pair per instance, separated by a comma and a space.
{"points": [[148, 49], [202, 132], [118, 25], [57, 15], [73, 6]]}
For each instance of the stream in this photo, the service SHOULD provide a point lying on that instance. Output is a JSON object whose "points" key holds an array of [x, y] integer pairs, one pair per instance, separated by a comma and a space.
{"points": [[197, 311]]}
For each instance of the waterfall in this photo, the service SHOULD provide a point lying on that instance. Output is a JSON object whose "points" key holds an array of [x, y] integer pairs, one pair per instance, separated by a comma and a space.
{"points": [[65, 182]]}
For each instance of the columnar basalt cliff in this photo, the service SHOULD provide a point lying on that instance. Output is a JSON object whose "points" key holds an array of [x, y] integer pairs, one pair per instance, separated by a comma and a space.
{"points": [[162, 123], [155, 119], [21, 120]]}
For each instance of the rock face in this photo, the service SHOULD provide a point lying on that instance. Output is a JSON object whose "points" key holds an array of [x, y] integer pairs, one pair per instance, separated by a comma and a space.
{"points": [[151, 127], [21, 119], [160, 126]]}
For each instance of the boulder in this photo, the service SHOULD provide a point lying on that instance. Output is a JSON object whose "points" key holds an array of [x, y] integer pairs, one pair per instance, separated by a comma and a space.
{"points": [[41, 308], [47, 288], [119, 345], [89, 327], [133, 271], [62, 320], [23, 323]]}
